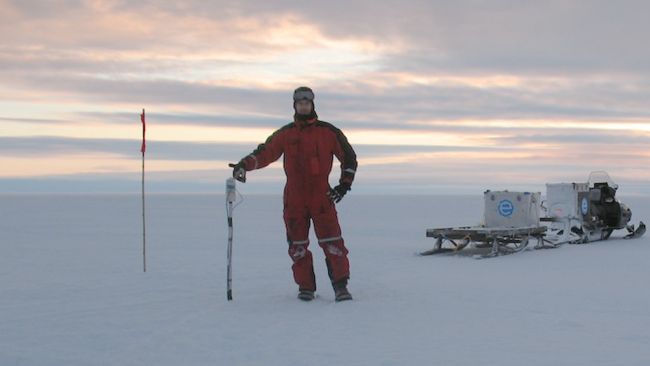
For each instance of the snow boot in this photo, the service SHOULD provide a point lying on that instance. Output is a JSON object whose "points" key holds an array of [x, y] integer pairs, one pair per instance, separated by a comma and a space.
{"points": [[341, 292], [306, 295]]}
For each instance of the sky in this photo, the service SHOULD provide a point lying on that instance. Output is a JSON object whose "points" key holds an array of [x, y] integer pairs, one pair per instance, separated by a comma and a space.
{"points": [[450, 97]]}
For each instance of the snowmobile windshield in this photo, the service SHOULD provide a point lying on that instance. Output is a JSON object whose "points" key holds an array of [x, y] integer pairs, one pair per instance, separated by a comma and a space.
{"points": [[601, 177]]}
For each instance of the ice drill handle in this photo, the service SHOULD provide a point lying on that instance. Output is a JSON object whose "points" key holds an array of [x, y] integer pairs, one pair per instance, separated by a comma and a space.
{"points": [[231, 190]]}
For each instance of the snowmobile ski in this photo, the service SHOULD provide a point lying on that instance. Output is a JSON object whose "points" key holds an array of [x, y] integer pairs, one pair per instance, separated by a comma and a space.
{"points": [[634, 234]]}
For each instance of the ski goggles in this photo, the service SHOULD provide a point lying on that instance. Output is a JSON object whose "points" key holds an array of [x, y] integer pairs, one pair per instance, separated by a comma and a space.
{"points": [[303, 94]]}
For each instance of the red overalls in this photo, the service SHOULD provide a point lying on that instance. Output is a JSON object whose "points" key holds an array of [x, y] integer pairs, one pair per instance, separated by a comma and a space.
{"points": [[309, 148]]}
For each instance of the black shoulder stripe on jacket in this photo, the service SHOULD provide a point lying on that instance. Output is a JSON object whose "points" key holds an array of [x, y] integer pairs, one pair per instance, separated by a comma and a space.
{"points": [[261, 147], [349, 156]]}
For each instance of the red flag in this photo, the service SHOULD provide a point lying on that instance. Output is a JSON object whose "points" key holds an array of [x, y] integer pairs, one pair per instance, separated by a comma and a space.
{"points": [[144, 128]]}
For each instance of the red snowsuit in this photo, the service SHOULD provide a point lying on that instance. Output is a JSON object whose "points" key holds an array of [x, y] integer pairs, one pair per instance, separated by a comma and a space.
{"points": [[309, 148]]}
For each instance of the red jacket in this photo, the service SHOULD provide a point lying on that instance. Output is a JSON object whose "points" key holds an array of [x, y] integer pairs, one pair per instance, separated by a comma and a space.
{"points": [[308, 150]]}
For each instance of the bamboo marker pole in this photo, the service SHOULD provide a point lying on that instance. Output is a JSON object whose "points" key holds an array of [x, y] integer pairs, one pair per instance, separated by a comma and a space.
{"points": [[144, 226]]}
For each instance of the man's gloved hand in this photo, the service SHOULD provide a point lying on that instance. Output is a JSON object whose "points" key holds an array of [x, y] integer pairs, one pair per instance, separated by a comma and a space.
{"points": [[336, 194], [239, 171]]}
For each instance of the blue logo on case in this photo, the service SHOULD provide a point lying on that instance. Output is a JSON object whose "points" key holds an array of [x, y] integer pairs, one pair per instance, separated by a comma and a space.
{"points": [[506, 208], [584, 207]]}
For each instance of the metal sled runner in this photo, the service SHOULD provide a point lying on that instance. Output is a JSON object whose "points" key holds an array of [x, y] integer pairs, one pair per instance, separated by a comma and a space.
{"points": [[504, 240]]}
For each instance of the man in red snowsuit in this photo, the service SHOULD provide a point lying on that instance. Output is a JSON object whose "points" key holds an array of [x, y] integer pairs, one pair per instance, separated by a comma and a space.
{"points": [[309, 146]]}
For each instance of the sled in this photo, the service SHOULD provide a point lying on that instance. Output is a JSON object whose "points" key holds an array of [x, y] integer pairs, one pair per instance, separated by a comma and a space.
{"points": [[499, 240], [511, 222]]}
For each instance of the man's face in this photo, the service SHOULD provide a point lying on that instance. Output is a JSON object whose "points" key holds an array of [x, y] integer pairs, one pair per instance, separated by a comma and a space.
{"points": [[303, 106]]}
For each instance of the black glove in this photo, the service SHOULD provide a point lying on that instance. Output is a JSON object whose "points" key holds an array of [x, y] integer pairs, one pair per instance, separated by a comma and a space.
{"points": [[239, 171], [336, 194]]}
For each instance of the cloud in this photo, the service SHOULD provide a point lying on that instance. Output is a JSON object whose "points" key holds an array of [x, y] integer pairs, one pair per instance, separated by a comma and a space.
{"points": [[397, 105], [551, 37], [629, 140], [188, 118], [554, 37], [33, 120], [390, 62], [157, 150], [525, 154], [166, 150]]}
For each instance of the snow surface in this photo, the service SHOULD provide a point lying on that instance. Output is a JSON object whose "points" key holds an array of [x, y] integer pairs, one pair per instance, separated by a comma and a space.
{"points": [[72, 290]]}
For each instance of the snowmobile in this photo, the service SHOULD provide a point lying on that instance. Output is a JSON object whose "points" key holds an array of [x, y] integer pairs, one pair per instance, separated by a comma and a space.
{"points": [[586, 212], [574, 213]]}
